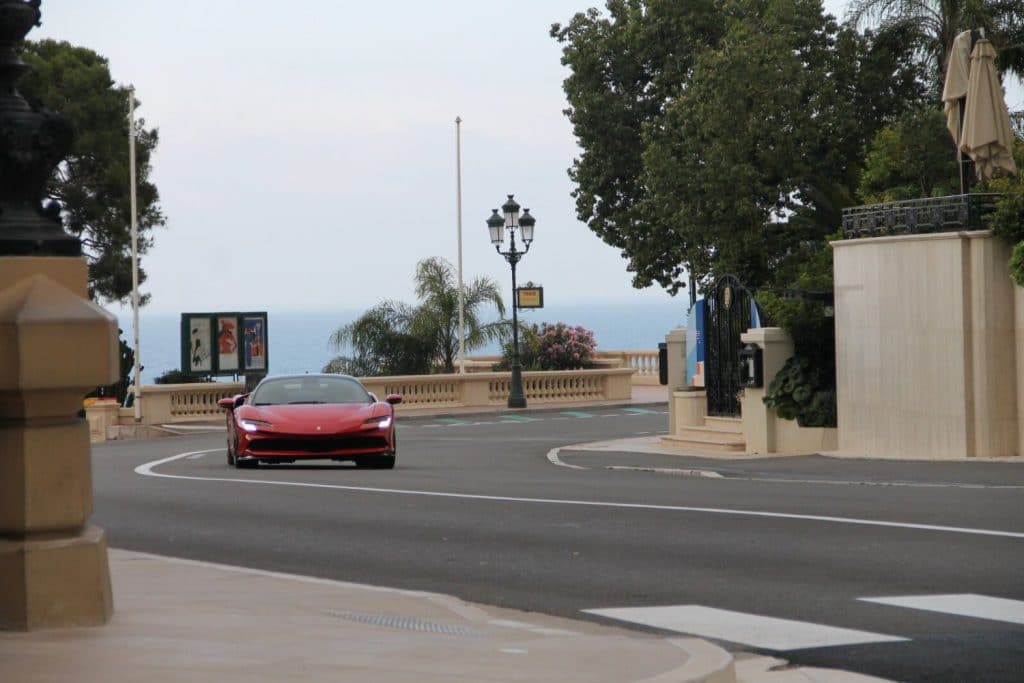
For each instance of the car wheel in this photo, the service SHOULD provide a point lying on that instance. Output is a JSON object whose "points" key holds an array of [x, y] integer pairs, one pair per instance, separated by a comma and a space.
{"points": [[384, 462], [231, 453]]}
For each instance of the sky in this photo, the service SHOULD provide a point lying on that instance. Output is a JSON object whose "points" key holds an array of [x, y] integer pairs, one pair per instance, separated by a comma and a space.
{"points": [[307, 156]]}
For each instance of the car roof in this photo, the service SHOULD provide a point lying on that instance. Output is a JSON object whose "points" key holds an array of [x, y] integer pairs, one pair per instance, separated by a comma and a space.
{"points": [[316, 375]]}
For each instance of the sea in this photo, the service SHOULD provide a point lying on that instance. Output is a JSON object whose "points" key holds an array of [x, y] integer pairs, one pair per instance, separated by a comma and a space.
{"points": [[297, 341]]}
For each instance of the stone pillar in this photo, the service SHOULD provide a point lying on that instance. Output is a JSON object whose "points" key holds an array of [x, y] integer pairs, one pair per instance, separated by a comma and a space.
{"points": [[758, 419], [55, 346], [675, 340]]}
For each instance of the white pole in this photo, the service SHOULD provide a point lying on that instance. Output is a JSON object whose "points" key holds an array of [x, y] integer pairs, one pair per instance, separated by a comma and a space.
{"points": [[135, 254], [458, 212]]}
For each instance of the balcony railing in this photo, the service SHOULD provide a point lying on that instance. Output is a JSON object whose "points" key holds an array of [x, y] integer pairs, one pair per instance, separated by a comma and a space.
{"points": [[918, 216]]}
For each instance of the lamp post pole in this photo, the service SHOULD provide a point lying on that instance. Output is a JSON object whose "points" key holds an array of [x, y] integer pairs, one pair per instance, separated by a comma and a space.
{"points": [[497, 225]]}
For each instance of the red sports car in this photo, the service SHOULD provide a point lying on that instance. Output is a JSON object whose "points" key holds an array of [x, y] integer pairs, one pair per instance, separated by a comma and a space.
{"points": [[303, 417]]}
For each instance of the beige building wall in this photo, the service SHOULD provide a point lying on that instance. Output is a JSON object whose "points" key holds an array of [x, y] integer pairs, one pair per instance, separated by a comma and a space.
{"points": [[926, 347]]}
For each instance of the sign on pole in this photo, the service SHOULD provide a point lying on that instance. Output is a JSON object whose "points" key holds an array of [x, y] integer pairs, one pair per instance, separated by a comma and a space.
{"points": [[529, 297], [224, 343]]}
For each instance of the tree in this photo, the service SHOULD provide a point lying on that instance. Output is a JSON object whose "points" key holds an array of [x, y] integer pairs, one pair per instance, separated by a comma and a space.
{"points": [[931, 25], [704, 126], [911, 159], [394, 338], [92, 184], [624, 68], [438, 314], [382, 344]]}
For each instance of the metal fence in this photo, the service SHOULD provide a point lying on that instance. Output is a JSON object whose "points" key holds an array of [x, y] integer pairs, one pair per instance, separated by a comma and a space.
{"points": [[919, 216]]}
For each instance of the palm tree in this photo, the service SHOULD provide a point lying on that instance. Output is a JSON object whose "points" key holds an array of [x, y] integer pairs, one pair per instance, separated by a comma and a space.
{"points": [[381, 344], [931, 25], [438, 314], [394, 338]]}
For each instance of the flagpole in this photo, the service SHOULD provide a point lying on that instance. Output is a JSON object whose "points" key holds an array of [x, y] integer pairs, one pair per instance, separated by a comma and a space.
{"points": [[137, 401], [458, 212]]}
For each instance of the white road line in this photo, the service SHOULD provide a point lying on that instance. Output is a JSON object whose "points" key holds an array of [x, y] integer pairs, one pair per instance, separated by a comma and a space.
{"points": [[746, 629], [197, 456], [146, 469], [962, 604], [554, 460]]}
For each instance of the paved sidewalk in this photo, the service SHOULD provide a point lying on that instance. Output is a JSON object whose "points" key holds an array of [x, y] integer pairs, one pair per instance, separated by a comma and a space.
{"points": [[179, 620]]}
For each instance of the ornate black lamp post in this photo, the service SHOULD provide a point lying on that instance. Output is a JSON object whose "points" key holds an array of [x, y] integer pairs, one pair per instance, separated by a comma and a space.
{"points": [[497, 226], [31, 144]]}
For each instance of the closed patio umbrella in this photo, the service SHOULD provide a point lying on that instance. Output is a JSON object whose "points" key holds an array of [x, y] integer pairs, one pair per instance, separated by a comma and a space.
{"points": [[986, 136]]}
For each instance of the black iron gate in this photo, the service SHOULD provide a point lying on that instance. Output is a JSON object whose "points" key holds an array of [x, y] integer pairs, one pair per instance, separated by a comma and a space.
{"points": [[727, 314]]}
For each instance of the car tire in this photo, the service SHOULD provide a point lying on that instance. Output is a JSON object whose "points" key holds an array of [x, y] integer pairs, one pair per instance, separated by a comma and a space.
{"points": [[384, 462], [231, 454]]}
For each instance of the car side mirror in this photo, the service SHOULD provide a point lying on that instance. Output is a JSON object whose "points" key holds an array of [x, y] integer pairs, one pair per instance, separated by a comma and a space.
{"points": [[393, 399], [232, 402]]}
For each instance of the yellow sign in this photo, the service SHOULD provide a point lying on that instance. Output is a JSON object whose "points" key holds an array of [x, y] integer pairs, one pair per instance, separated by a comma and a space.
{"points": [[530, 297]]}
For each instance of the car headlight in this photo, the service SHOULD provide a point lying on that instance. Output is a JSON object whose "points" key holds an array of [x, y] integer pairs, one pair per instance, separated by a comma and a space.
{"points": [[381, 422], [250, 425]]}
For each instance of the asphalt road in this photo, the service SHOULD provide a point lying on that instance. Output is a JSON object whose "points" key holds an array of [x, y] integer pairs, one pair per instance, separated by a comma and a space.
{"points": [[475, 508]]}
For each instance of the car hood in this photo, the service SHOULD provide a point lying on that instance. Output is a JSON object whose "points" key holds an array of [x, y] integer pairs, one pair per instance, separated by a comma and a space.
{"points": [[317, 418]]}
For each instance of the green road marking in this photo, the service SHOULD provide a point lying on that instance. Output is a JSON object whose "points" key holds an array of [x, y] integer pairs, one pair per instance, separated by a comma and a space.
{"points": [[574, 413], [641, 411], [451, 421], [518, 418]]}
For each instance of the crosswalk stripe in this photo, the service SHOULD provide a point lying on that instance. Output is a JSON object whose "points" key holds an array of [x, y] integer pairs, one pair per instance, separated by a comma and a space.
{"points": [[962, 604], [742, 628]]}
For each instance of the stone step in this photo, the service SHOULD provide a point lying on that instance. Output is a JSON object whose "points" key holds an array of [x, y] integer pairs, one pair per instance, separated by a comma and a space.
{"points": [[725, 424], [700, 444], [709, 434]]}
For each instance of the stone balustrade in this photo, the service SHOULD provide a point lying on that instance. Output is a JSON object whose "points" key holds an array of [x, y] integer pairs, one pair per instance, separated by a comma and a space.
{"points": [[643, 363], [165, 404], [492, 388]]}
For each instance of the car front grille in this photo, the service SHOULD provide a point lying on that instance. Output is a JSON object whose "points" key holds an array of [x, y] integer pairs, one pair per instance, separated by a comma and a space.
{"points": [[322, 445]]}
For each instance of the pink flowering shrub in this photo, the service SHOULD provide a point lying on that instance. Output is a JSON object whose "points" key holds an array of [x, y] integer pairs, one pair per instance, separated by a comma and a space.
{"points": [[561, 347], [550, 347]]}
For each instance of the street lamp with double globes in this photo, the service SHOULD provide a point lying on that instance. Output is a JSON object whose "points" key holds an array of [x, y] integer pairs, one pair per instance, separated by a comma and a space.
{"points": [[497, 225]]}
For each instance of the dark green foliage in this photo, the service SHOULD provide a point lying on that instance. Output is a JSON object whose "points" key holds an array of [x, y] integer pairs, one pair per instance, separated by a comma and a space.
{"points": [[930, 26], [179, 377], [1007, 220], [529, 349], [92, 184], [383, 344], [703, 125], [805, 388], [119, 389], [804, 392], [1017, 264], [911, 159]]}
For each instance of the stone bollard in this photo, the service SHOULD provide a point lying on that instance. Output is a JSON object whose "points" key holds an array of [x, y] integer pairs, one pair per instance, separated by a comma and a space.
{"points": [[55, 346]]}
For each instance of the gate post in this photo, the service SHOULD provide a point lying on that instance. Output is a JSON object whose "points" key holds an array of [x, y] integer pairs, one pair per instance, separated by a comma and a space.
{"points": [[675, 340], [759, 419]]}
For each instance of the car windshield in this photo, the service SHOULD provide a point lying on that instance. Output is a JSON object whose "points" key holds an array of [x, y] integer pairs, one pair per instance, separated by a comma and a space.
{"points": [[299, 390]]}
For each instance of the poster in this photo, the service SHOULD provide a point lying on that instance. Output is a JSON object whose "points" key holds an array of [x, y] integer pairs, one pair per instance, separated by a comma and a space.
{"points": [[200, 357], [227, 343], [255, 344]]}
